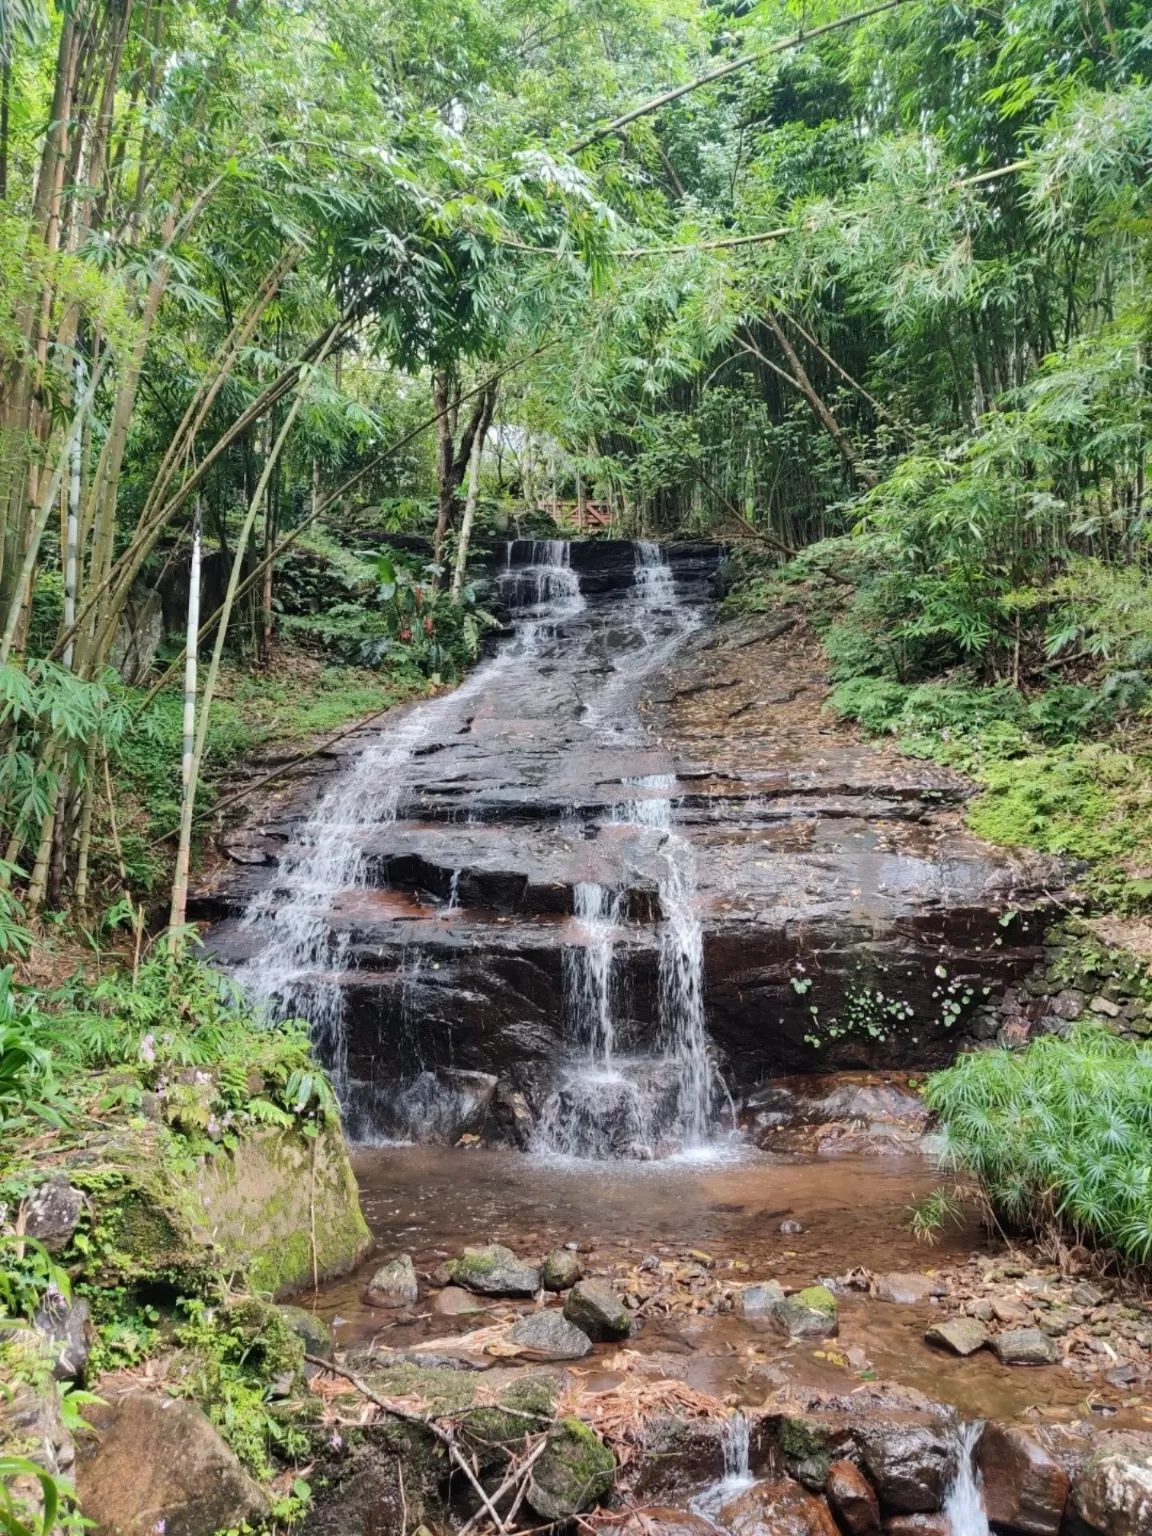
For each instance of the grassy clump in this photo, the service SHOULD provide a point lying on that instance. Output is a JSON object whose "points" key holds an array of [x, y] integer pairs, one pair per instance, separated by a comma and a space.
{"points": [[1059, 1135]]}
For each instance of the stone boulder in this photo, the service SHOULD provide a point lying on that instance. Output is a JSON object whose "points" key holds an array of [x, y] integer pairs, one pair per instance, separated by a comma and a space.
{"points": [[394, 1284], [905, 1290], [153, 1462], [560, 1270], [777, 1507], [918, 1525], [53, 1213], [312, 1333], [595, 1308], [960, 1335], [910, 1465], [853, 1499], [759, 1300], [494, 1271], [1024, 1488], [1025, 1346], [548, 1335], [66, 1327], [454, 1301], [1113, 1494], [574, 1472], [809, 1314]]}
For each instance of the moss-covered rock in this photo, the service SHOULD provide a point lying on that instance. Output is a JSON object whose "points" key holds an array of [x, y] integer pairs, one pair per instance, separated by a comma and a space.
{"points": [[811, 1313], [276, 1210], [575, 1471]]}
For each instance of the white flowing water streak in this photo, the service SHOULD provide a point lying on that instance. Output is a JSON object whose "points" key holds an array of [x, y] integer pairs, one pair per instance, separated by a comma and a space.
{"points": [[682, 1024], [588, 971], [964, 1505], [297, 971], [737, 1477]]}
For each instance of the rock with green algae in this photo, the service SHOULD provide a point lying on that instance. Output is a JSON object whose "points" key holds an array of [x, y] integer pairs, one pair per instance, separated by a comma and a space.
{"points": [[574, 1472], [494, 1271], [279, 1208], [809, 1314]]}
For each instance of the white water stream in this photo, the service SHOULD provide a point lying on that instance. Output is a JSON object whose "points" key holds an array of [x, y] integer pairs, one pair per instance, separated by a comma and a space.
{"points": [[964, 1506]]}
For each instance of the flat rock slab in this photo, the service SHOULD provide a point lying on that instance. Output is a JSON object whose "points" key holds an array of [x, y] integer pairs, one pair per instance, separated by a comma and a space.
{"points": [[1025, 1346], [906, 1290], [155, 1463], [960, 1335], [548, 1335]]}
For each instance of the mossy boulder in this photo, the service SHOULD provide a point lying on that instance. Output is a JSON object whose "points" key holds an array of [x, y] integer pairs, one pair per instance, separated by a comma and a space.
{"points": [[277, 1210], [809, 1314], [494, 1271], [575, 1471]]}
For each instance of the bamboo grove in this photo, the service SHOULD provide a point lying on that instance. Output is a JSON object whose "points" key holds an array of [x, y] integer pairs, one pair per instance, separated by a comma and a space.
{"points": [[769, 272]]}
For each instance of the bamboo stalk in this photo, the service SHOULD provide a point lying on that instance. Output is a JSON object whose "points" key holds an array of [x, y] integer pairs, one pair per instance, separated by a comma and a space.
{"points": [[469, 514], [188, 779]]}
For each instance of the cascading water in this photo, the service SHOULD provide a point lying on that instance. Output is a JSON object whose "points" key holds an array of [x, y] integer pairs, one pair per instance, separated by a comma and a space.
{"points": [[964, 1505], [632, 1106], [737, 1477], [298, 969]]}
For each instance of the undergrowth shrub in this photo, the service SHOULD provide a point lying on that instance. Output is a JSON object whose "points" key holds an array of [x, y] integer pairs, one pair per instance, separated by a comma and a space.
{"points": [[1059, 1135]]}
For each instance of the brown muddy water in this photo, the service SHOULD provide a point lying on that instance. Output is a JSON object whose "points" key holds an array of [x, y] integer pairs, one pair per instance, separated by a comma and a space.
{"points": [[721, 1213]]}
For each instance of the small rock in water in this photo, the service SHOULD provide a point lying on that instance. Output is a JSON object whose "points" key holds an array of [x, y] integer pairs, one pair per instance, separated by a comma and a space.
{"points": [[1122, 1376], [777, 1507], [560, 1270], [548, 1335], [455, 1302], [853, 1499], [394, 1284], [649, 1263], [905, 1290], [596, 1309], [961, 1335], [494, 1271], [810, 1314], [657, 1520], [575, 1470], [791, 1228], [1025, 1346], [1006, 1309], [759, 1300]]}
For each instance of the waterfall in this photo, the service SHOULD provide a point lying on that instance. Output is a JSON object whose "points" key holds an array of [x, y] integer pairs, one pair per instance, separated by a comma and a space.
{"points": [[682, 1025], [607, 1106], [737, 1477], [964, 1506], [298, 970]]}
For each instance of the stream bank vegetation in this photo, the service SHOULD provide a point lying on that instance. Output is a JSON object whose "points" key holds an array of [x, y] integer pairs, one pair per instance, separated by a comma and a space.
{"points": [[303, 309]]}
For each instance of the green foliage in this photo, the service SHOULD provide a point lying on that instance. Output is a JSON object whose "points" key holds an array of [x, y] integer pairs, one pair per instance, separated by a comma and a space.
{"points": [[928, 1217], [1059, 1134], [233, 1361]]}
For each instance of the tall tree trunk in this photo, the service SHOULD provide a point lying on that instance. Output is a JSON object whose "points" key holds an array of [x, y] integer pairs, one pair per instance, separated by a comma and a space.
{"points": [[179, 904], [469, 515]]}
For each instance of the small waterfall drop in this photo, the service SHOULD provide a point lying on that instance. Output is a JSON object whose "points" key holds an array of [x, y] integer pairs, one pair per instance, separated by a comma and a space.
{"points": [[737, 1477], [964, 1505]]}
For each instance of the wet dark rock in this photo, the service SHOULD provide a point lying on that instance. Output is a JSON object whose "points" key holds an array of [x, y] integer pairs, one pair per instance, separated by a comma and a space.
{"points": [[777, 1507], [66, 1327], [1113, 1494], [853, 1499], [662, 1520], [1025, 1489], [560, 1270], [910, 1465], [906, 1290], [595, 1308], [150, 1456], [760, 1299], [574, 1472], [959, 1335], [52, 1213], [548, 1335], [918, 1525], [1024, 1346], [394, 1284], [494, 1271], [312, 1332], [809, 1314]]}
